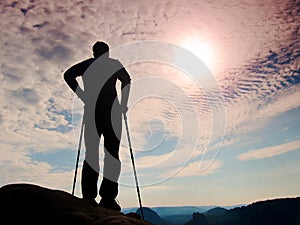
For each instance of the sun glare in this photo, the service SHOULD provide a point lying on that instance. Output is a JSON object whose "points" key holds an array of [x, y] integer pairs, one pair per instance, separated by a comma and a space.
{"points": [[200, 49]]}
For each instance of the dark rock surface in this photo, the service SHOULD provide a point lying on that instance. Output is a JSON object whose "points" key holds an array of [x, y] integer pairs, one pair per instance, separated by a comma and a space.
{"points": [[35, 205]]}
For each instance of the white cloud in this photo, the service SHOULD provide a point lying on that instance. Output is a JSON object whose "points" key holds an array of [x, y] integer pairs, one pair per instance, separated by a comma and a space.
{"points": [[270, 151], [17, 166], [198, 168], [42, 42]]}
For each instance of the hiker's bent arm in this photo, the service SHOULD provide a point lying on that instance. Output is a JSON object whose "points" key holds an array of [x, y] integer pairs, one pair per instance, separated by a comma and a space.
{"points": [[70, 77], [125, 87], [124, 97]]}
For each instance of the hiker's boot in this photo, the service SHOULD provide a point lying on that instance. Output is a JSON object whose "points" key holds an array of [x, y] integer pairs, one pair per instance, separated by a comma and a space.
{"points": [[110, 204]]}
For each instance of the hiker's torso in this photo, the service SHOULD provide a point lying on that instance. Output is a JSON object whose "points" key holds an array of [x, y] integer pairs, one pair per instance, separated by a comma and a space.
{"points": [[99, 81]]}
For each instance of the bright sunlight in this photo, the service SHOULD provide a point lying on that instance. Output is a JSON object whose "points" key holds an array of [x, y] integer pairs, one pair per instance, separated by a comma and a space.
{"points": [[200, 49]]}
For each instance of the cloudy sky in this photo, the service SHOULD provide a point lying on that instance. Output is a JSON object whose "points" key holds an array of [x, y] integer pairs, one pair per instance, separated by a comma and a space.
{"points": [[220, 133]]}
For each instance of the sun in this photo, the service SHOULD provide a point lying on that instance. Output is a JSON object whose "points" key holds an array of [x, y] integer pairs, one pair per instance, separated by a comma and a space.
{"points": [[200, 49]]}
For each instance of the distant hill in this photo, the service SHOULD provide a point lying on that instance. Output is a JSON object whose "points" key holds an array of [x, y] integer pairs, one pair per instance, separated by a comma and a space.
{"points": [[129, 210], [178, 215], [175, 215], [270, 212], [152, 217], [166, 211], [31, 204], [178, 219], [180, 210], [217, 211]]}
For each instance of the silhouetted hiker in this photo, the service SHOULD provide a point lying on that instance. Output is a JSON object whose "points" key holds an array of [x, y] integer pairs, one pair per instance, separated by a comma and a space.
{"points": [[102, 116]]}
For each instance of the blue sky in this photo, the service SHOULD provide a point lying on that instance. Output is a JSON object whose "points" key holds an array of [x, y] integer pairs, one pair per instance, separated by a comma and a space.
{"points": [[232, 138]]}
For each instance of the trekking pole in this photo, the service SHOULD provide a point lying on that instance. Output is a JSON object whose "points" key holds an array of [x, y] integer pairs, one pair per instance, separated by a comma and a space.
{"points": [[133, 165], [78, 155]]}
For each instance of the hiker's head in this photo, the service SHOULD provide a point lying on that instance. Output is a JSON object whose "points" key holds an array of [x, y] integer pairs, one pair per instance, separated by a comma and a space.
{"points": [[99, 48]]}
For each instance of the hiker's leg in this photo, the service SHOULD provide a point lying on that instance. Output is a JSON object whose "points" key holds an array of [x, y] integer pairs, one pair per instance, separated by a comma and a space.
{"points": [[112, 164], [89, 179], [90, 170]]}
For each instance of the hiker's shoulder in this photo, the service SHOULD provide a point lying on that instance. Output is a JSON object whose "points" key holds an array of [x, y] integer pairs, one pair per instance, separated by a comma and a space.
{"points": [[88, 61], [84, 64], [116, 61]]}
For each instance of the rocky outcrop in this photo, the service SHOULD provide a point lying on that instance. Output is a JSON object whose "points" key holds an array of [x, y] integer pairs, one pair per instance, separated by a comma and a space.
{"points": [[35, 205]]}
